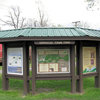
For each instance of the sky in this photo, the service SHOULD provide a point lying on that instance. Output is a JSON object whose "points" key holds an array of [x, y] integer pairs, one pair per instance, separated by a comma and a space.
{"points": [[62, 12]]}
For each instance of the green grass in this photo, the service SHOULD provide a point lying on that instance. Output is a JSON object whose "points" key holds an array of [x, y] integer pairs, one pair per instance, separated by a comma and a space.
{"points": [[0, 67], [50, 89]]}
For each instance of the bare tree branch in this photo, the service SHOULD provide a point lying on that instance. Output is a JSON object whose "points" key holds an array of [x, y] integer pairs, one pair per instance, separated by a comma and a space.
{"points": [[43, 21], [14, 18], [93, 4], [22, 23]]}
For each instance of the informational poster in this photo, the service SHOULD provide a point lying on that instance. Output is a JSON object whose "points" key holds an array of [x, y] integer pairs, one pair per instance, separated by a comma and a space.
{"points": [[53, 61], [43, 67], [89, 59], [15, 61]]}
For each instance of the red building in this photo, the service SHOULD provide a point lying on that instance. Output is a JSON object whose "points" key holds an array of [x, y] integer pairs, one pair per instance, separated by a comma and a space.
{"points": [[0, 53]]}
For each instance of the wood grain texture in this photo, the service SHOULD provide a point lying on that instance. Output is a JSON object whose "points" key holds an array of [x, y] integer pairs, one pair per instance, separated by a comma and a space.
{"points": [[5, 80]]}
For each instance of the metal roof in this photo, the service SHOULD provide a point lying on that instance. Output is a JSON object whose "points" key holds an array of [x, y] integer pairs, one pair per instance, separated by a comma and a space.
{"points": [[49, 32]]}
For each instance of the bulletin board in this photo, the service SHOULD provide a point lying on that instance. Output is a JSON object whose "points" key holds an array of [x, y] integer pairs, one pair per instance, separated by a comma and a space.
{"points": [[89, 59], [53, 61], [15, 61]]}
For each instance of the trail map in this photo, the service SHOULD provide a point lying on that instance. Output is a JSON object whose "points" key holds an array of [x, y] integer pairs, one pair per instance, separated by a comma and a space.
{"points": [[15, 61], [53, 60]]}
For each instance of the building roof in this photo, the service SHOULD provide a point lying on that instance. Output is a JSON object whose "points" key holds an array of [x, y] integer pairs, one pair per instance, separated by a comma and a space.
{"points": [[51, 33]]}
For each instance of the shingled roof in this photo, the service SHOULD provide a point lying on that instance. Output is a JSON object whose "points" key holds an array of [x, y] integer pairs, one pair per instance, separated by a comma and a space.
{"points": [[49, 33]]}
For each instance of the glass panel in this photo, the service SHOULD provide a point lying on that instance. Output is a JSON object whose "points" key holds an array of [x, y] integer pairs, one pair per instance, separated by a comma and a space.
{"points": [[89, 59], [53, 61], [15, 61]]}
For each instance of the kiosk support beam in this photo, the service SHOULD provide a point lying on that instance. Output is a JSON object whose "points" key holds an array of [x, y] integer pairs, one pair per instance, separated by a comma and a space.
{"points": [[33, 67], [73, 80], [79, 67], [5, 81], [26, 68], [97, 78]]}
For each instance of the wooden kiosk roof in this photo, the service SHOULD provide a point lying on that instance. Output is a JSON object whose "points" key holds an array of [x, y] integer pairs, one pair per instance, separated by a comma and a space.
{"points": [[27, 34]]}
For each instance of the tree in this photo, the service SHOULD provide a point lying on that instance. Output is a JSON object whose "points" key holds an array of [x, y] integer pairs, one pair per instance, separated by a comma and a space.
{"points": [[43, 21], [90, 3], [14, 18], [31, 23], [84, 25], [93, 4]]}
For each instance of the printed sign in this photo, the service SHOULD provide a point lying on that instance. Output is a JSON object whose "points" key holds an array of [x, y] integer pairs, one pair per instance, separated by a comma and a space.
{"points": [[15, 61], [53, 61], [89, 59]]}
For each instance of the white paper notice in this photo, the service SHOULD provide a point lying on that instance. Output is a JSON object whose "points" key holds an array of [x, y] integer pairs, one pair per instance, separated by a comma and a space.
{"points": [[64, 69]]}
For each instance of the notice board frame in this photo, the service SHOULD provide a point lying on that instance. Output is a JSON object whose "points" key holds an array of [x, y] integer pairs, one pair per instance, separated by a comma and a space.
{"points": [[53, 47], [25, 75]]}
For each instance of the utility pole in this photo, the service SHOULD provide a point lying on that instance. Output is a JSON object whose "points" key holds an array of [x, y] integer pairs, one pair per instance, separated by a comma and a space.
{"points": [[76, 23]]}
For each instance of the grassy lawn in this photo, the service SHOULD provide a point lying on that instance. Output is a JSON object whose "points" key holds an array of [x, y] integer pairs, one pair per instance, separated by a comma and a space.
{"points": [[0, 67], [50, 90]]}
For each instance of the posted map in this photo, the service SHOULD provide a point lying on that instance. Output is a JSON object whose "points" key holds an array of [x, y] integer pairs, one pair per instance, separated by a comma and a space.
{"points": [[53, 60]]}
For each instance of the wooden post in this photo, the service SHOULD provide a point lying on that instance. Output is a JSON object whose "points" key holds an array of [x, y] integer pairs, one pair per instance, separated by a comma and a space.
{"points": [[97, 78], [73, 80], [5, 81], [33, 67], [26, 68], [79, 67]]}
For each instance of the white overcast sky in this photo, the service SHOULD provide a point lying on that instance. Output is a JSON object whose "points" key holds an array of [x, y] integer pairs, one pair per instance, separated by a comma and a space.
{"points": [[62, 12]]}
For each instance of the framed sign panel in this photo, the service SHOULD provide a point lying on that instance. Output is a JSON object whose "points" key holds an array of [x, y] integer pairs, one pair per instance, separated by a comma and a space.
{"points": [[89, 59], [53, 61], [15, 61]]}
